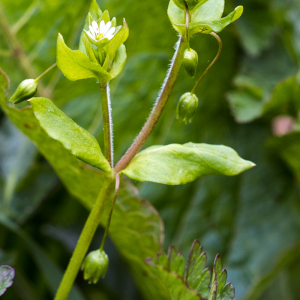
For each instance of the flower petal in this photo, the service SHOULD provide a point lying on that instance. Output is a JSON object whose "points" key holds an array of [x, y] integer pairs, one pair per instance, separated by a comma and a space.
{"points": [[95, 26], [92, 31], [90, 35], [109, 36], [107, 27], [102, 27], [110, 31]]}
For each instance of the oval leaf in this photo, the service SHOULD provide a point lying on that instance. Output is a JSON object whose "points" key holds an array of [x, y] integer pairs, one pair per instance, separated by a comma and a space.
{"points": [[6, 276], [73, 137], [178, 164]]}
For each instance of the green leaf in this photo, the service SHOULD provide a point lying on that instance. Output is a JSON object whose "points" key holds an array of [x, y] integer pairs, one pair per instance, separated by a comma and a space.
{"points": [[204, 18], [197, 279], [210, 26], [76, 65], [178, 164], [176, 261], [7, 274], [136, 227], [73, 137]]}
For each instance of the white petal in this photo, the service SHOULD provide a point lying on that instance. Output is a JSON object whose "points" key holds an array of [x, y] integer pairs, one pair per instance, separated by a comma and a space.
{"points": [[95, 26], [109, 37], [90, 35], [92, 30], [107, 27], [111, 31], [102, 27]]}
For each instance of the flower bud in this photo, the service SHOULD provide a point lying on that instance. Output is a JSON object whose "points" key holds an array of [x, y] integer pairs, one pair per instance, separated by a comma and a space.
{"points": [[26, 89], [190, 61], [186, 107], [94, 266]]}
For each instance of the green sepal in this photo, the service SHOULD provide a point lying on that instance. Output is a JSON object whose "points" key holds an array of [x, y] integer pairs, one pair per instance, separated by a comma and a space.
{"points": [[90, 51], [111, 49], [179, 164], [74, 138], [76, 65], [95, 10], [119, 61], [105, 17], [101, 43]]}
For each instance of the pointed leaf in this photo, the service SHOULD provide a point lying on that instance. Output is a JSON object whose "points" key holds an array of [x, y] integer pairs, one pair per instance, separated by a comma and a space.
{"points": [[227, 292], [178, 164], [76, 65], [196, 264], [7, 274], [176, 261], [95, 10], [73, 137]]}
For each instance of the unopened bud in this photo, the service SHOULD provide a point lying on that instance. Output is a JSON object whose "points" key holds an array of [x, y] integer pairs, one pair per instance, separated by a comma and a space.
{"points": [[26, 89], [190, 61], [186, 107], [95, 266]]}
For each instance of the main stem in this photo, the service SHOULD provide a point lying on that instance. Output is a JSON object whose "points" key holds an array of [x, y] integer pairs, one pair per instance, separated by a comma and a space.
{"points": [[85, 239], [157, 109], [107, 124]]}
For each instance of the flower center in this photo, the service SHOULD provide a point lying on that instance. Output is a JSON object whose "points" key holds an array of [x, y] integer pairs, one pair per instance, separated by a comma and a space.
{"points": [[99, 36]]}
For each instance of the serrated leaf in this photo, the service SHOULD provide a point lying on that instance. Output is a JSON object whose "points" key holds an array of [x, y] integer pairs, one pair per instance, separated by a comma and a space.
{"points": [[75, 65], [177, 288], [195, 268], [227, 293], [178, 164], [176, 261], [7, 274], [73, 137]]}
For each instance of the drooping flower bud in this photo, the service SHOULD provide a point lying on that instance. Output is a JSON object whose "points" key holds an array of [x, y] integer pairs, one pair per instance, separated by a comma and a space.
{"points": [[190, 61], [186, 107], [95, 266], [26, 89]]}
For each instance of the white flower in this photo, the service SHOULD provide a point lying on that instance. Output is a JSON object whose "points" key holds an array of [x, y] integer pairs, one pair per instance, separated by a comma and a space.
{"points": [[104, 31]]}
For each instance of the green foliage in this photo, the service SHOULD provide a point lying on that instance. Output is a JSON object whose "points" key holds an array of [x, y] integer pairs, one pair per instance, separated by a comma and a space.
{"points": [[194, 282], [73, 137], [251, 219], [204, 17], [179, 164]]}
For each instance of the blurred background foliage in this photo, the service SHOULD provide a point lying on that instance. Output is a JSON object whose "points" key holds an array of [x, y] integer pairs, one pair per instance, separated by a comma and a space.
{"points": [[246, 102]]}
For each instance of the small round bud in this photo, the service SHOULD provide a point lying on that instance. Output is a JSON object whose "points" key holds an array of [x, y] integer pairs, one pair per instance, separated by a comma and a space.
{"points": [[186, 107], [26, 89], [190, 61], [95, 266]]}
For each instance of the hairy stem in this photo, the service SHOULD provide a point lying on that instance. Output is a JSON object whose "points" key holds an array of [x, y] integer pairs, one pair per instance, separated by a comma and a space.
{"points": [[85, 239], [157, 109], [117, 186], [212, 63], [107, 124]]}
